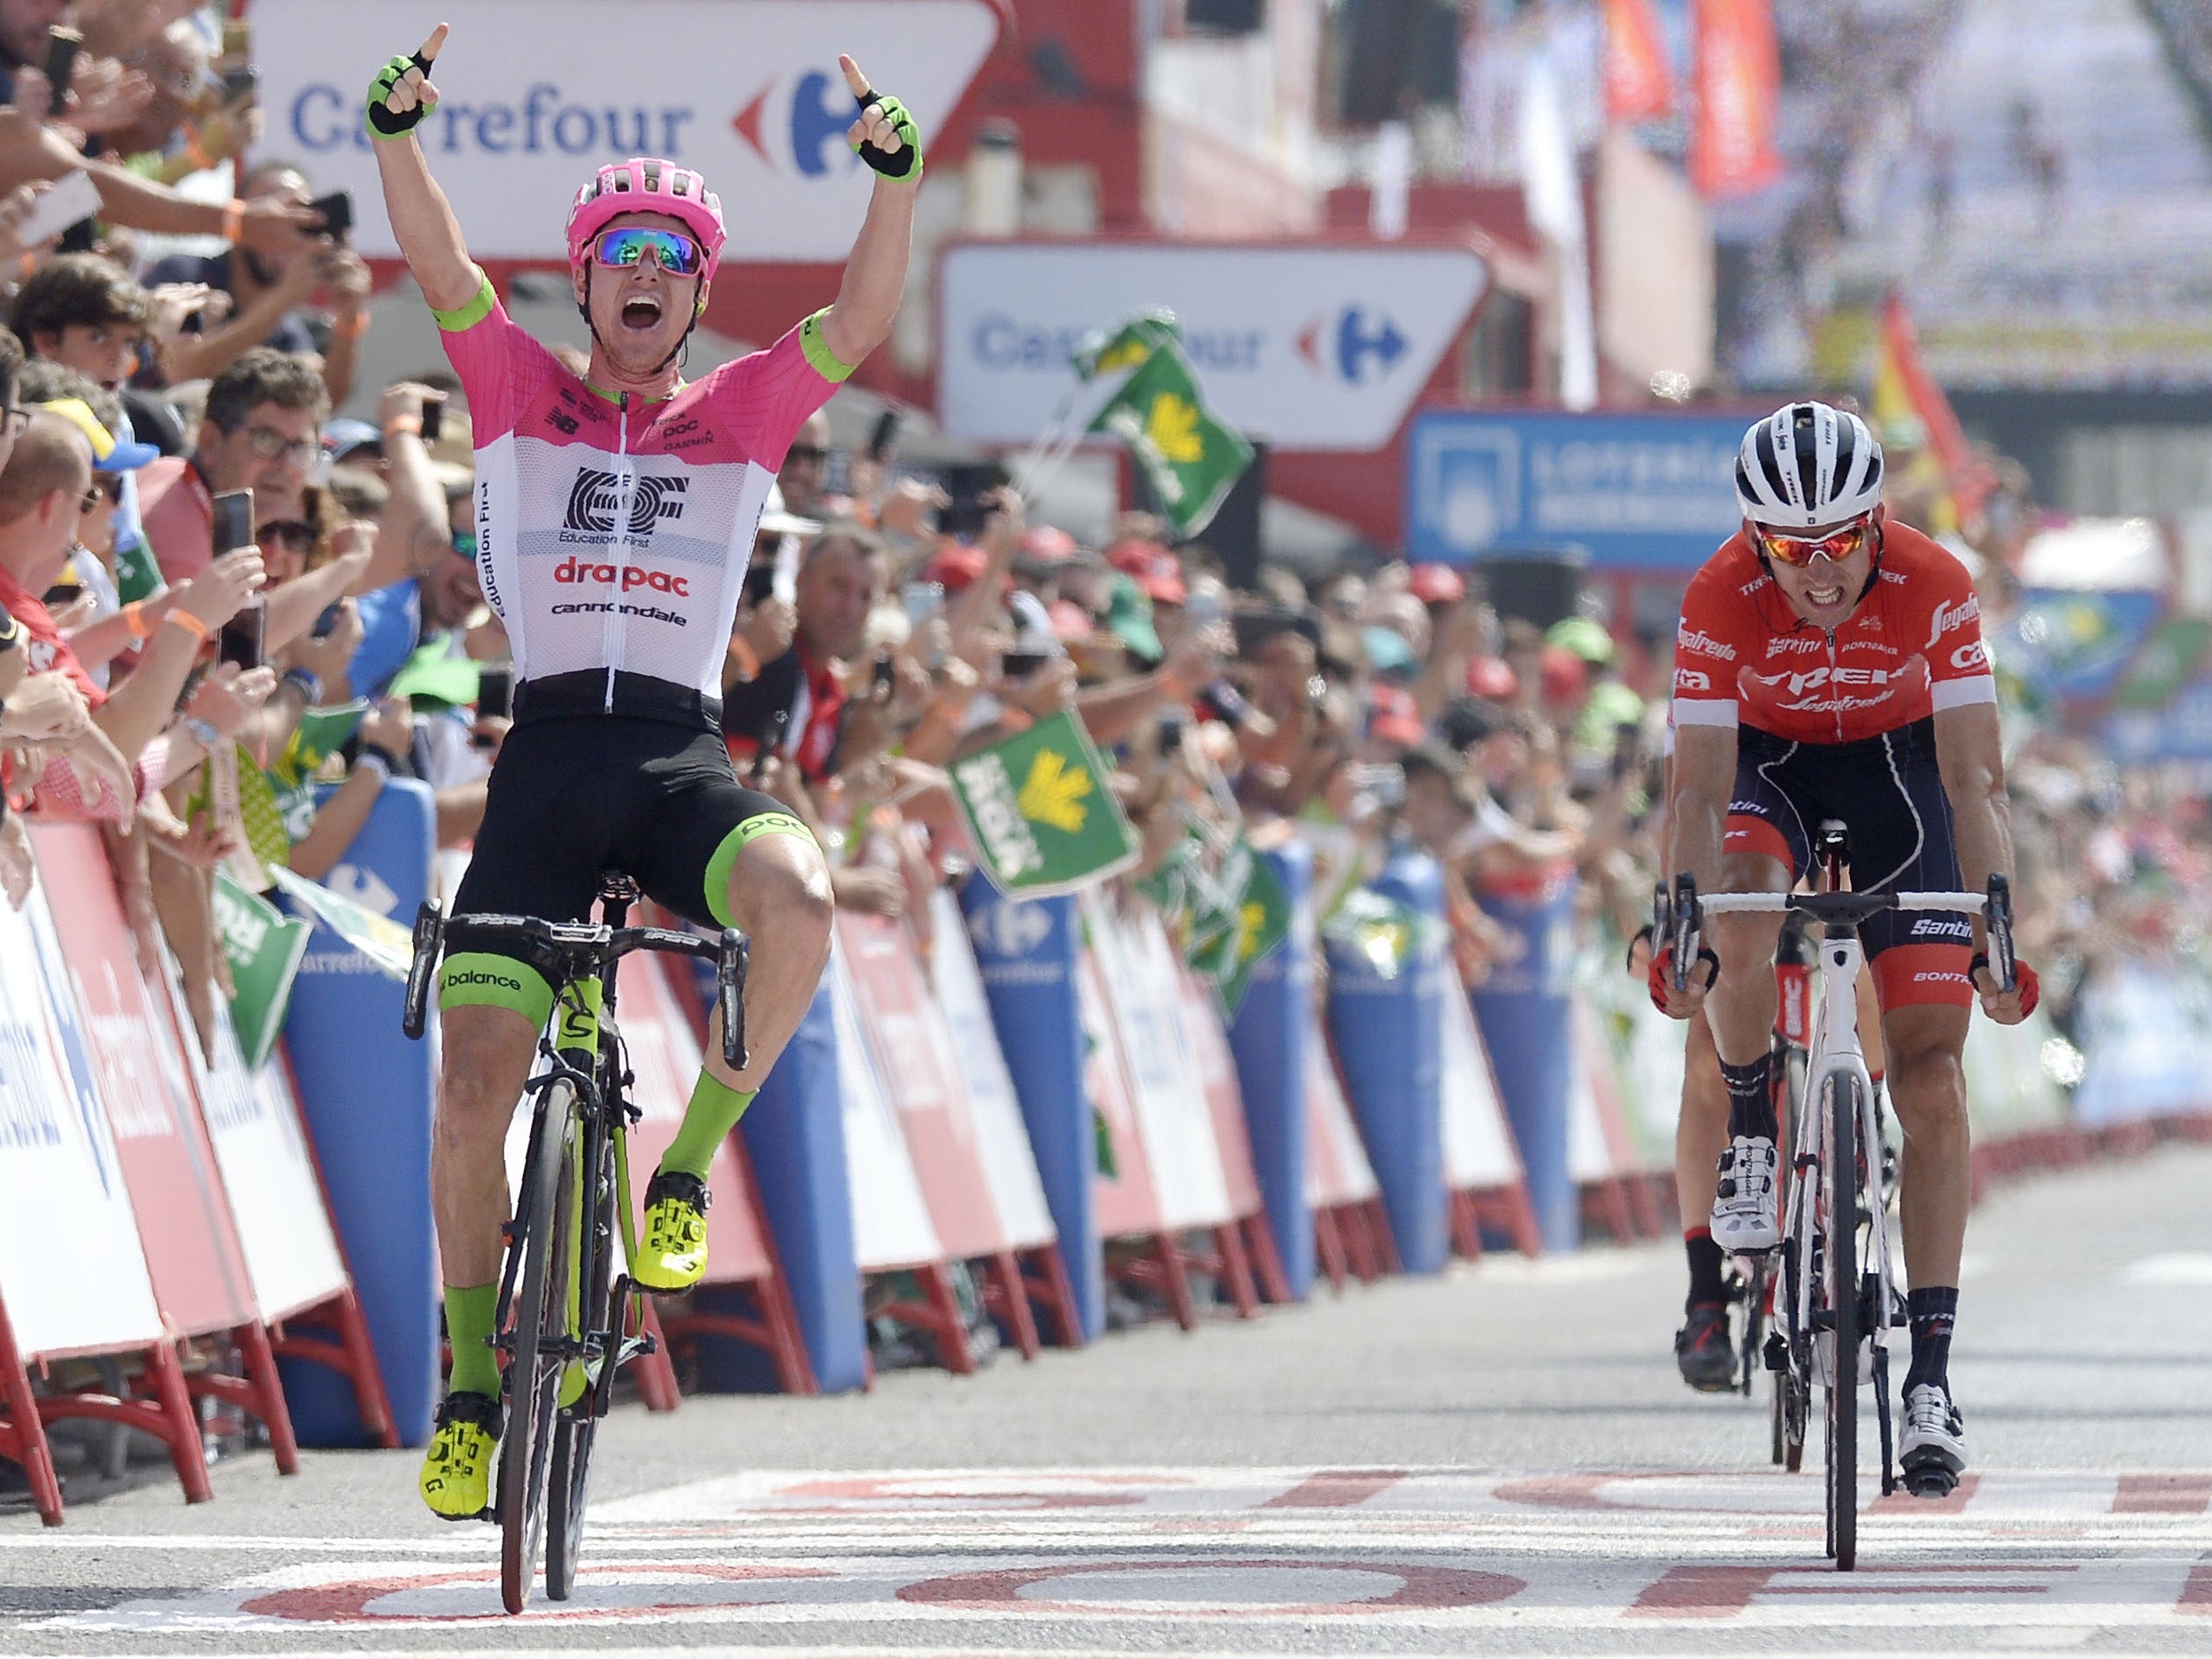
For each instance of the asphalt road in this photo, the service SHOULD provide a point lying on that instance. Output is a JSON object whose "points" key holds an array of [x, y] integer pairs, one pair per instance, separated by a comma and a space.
{"points": [[1498, 1461]]}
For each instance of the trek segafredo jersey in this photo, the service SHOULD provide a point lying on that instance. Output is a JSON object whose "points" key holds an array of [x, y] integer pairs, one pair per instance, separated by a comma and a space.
{"points": [[613, 536], [1912, 649]]}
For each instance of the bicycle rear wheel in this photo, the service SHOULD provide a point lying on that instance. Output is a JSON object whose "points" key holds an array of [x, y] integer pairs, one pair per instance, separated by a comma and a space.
{"points": [[544, 1236], [1839, 1284], [577, 1424]]}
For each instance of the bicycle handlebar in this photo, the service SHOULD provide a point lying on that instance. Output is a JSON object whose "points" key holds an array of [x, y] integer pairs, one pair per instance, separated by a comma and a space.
{"points": [[1680, 916], [582, 948]]}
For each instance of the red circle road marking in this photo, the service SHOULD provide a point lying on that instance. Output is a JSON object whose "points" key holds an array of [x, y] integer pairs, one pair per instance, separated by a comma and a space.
{"points": [[1417, 1587], [349, 1603]]}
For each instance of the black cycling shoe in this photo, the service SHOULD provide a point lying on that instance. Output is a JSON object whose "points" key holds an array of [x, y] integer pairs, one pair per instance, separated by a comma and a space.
{"points": [[1703, 1351]]}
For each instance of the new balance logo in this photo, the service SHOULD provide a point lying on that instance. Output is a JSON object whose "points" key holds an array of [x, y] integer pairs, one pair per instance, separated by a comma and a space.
{"points": [[596, 499]]}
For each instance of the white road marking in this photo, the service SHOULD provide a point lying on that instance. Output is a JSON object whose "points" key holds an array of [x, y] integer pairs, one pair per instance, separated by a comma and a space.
{"points": [[2178, 1268]]}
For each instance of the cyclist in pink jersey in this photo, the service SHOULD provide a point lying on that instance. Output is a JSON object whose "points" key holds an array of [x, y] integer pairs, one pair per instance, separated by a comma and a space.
{"points": [[615, 513]]}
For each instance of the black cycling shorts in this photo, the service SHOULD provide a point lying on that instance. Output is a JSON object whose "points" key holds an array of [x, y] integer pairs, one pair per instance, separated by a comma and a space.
{"points": [[1888, 793], [649, 790]]}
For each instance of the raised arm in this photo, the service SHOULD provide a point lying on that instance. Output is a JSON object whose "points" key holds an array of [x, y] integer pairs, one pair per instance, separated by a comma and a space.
{"points": [[422, 219], [875, 275]]}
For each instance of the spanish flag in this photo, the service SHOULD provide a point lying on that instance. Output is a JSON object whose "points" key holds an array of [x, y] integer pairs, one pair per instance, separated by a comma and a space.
{"points": [[1906, 396]]}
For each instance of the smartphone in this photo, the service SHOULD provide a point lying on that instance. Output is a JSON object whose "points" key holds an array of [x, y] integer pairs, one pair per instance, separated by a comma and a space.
{"points": [[329, 621], [924, 601], [433, 408], [245, 637], [784, 584], [73, 199], [242, 85], [886, 674], [880, 440], [337, 212], [233, 516], [968, 483], [1021, 665], [62, 47], [496, 691], [760, 580]]}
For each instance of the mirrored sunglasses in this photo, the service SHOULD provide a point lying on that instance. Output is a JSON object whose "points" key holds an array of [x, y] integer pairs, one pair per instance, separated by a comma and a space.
{"points": [[294, 535], [1836, 547], [621, 248]]}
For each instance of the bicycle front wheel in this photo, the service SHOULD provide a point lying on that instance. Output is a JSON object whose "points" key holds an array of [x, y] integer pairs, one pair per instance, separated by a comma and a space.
{"points": [[544, 1234], [577, 1424], [1839, 1286]]}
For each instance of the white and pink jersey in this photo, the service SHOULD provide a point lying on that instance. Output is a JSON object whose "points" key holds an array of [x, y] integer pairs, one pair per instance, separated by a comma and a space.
{"points": [[615, 534]]}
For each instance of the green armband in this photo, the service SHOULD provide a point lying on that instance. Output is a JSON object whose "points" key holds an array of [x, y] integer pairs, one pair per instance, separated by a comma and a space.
{"points": [[818, 355]]}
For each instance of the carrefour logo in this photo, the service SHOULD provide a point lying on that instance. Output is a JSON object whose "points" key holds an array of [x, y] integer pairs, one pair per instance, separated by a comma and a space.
{"points": [[1356, 345], [548, 118], [821, 110]]}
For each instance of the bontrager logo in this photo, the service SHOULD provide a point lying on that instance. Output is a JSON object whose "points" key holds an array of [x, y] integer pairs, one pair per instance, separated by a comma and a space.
{"points": [[1691, 639], [595, 499]]}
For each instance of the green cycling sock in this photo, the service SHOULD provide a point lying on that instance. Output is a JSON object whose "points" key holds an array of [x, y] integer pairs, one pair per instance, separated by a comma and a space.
{"points": [[713, 1112], [470, 1311]]}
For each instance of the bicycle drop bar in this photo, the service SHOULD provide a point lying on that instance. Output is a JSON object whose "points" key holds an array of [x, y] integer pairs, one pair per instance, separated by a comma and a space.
{"points": [[579, 949], [1847, 910]]}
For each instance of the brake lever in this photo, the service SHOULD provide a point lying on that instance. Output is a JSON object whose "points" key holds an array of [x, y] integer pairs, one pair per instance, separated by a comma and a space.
{"points": [[731, 963], [429, 937]]}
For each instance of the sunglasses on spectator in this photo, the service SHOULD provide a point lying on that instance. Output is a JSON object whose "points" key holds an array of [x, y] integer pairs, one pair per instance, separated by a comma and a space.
{"points": [[268, 443], [294, 535], [18, 418], [103, 492], [1795, 550], [619, 249], [806, 452]]}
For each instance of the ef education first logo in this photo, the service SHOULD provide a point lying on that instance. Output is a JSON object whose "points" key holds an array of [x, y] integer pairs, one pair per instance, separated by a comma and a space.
{"points": [[595, 500]]}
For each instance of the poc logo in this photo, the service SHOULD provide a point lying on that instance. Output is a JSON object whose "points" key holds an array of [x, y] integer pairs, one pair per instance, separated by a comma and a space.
{"points": [[597, 498]]}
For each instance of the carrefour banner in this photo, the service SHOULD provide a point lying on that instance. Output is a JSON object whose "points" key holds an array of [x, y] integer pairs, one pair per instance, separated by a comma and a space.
{"points": [[1635, 492], [538, 93]]}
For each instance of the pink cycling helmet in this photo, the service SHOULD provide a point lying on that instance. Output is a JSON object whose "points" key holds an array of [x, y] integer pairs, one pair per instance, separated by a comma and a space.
{"points": [[646, 184]]}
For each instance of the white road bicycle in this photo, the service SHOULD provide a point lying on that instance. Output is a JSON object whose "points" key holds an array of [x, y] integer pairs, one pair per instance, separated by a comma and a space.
{"points": [[1836, 1292]]}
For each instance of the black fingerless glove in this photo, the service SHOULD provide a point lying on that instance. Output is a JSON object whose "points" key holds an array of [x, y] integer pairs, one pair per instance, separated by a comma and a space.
{"points": [[906, 163], [384, 122]]}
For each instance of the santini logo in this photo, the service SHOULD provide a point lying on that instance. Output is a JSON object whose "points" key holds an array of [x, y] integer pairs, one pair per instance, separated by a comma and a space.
{"points": [[596, 500]]}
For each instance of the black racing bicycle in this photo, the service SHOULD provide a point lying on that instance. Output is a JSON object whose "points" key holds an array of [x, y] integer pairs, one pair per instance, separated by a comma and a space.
{"points": [[568, 1318]]}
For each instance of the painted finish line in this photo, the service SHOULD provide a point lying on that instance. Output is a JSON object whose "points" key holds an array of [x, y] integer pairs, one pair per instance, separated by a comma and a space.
{"points": [[1438, 1550]]}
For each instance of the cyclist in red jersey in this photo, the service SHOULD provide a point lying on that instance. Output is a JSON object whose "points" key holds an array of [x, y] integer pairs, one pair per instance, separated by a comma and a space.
{"points": [[1829, 664]]}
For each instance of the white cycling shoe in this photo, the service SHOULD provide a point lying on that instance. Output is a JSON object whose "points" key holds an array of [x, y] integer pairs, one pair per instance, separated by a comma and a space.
{"points": [[1746, 1216], [1931, 1455]]}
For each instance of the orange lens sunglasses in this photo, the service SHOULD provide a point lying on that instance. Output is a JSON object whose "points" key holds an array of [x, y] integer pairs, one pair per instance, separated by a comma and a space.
{"points": [[1795, 550]]}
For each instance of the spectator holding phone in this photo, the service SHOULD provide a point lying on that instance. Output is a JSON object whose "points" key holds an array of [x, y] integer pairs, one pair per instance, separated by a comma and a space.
{"points": [[269, 291]]}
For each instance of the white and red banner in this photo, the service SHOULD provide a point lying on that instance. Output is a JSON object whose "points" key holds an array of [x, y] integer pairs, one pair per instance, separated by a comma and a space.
{"points": [[1638, 81], [73, 1272], [538, 94], [1737, 70], [892, 1226]]}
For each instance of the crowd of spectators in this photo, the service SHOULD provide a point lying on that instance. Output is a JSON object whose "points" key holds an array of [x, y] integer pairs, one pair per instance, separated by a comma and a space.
{"points": [[1378, 703]]}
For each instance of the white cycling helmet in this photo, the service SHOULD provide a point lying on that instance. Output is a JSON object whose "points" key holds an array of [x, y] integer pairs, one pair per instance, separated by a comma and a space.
{"points": [[1806, 466]]}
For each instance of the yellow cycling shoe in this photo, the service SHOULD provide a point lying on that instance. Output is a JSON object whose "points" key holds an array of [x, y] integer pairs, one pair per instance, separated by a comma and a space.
{"points": [[456, 1471], [673, 1253]]}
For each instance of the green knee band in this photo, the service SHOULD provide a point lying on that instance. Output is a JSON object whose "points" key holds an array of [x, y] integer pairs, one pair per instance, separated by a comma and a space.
{"points": [[736, 841], [476, 978]]}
